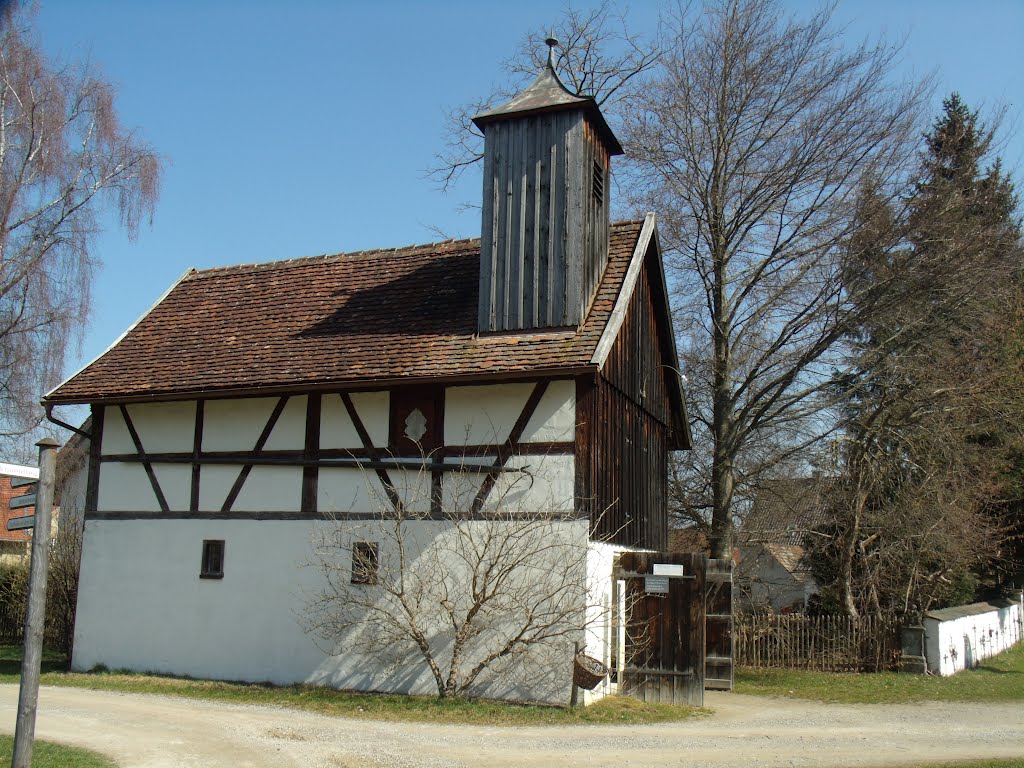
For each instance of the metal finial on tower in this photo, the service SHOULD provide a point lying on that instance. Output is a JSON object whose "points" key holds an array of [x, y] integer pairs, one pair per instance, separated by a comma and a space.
{"points": [[551, 41]]}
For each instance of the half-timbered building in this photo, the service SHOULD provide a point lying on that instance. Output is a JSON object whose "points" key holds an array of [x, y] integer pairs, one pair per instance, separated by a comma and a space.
{"points": [[252, 403]]}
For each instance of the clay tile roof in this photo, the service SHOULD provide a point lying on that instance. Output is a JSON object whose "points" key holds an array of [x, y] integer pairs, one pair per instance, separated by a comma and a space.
{"points": [[407, 313], [785, 510]]}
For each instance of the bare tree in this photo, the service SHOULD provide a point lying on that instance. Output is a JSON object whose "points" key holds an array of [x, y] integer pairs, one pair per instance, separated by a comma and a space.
{"points": [[489, 602], [63, 156], [599, 55], [753, 142]]}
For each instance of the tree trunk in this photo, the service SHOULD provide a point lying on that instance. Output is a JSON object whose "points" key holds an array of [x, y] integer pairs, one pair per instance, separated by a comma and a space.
{"points": [[846, 555]]}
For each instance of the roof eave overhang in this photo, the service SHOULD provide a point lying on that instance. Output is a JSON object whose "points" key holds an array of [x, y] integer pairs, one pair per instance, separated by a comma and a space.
{"points": [[589, 108], [681, 438], [323, 386]]}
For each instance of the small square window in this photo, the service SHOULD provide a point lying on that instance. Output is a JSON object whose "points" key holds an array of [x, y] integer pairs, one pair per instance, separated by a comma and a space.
{"points": [[212, 566], [365, 562]]}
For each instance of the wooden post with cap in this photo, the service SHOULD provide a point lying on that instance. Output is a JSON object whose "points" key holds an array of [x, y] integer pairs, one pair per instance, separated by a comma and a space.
{"points": [[35, 616]]}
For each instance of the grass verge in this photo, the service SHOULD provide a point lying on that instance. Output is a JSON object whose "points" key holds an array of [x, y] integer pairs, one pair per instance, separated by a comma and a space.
{"points": [[613, 709], [1000, 678], [46, 754], [1013, 762]]}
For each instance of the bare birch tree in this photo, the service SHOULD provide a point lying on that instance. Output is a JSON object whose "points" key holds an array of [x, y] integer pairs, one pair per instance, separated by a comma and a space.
{"points": [[753, 143], [63, 158]]}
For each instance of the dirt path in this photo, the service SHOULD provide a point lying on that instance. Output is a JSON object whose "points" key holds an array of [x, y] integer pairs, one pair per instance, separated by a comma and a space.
{"points": [[160, 732]]}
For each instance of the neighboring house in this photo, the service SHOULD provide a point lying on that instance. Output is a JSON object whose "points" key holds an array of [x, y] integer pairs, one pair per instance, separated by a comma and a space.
{"points": [[15, 545], [771, 572], [69, 497], [254, 402]]}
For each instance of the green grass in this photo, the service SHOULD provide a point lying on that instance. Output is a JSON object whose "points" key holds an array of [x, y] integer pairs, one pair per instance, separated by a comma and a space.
{"points": [[1013, 762], [327, 701], [1000, 678], [46, 754]]}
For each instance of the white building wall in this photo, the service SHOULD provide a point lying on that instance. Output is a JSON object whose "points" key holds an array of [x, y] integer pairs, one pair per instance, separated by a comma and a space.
{"points": [[142, 606], [604, 638], [954, 644]]}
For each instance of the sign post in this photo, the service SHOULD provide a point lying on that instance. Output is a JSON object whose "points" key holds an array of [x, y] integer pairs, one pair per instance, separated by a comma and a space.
{"points": [[35, 618]]}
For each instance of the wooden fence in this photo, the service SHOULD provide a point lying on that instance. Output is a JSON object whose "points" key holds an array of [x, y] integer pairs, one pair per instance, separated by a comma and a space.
{"points": [[823, 643], [12, 625], [12, 629]]}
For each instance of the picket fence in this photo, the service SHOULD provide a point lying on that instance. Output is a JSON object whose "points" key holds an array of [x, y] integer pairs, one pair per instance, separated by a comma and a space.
{"points": [[822, 643]]}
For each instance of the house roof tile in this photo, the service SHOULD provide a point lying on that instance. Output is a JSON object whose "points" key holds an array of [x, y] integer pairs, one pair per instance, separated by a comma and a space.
{"points": [[786, 510], [406, 313]]}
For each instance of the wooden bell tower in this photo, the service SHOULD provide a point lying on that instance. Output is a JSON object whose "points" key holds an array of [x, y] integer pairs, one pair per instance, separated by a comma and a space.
{"points": [[544, 235]]}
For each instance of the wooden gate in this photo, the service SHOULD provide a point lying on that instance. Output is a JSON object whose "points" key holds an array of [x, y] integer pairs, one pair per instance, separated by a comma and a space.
{"points": [[664, 627], [719, 655]]}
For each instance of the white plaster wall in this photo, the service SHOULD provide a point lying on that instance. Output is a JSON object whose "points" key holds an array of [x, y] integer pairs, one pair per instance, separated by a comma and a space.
{"points": [[125, 487], [142, 606], [235, 425], [600, 639], [484, 415], [555, 418], [269, 489], [336, 428], [547, 483], [964, 642], [289, 433], [162, 427], [350, 490], [764, 582]]}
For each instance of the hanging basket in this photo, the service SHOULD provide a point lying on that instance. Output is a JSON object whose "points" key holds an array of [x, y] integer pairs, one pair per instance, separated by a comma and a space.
{"points": [[588, 672]]}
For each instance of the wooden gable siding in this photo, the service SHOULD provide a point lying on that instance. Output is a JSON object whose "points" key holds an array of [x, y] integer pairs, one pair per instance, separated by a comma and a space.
{"points": [[623, 465], [635, 364]]}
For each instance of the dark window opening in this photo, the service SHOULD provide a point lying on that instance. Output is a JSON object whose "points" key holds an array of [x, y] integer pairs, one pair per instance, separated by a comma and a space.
{"points": [[365, 562], [598, 183], [212, 566]]}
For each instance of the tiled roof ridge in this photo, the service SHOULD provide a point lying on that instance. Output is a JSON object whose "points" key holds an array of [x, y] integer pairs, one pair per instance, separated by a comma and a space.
{"points": [[446, 247]]}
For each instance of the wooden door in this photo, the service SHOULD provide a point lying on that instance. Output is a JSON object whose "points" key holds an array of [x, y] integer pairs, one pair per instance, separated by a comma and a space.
{"points": [[718, 661], [665, 625]]}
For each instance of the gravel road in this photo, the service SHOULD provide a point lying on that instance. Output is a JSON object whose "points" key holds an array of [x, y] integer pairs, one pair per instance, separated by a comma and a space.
{"points": [[159, 732]]}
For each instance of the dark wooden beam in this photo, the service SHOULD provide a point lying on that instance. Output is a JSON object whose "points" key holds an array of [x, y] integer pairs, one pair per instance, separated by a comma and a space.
{"points": [[510, 445], [92, 483], [311, 454], [371, 450], [296, 459], [197, 449], [264, 436], [376, 385], [146, 464]]}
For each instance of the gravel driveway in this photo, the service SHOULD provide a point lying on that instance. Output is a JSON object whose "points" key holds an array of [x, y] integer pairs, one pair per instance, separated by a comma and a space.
{"points": [[159, 732]]}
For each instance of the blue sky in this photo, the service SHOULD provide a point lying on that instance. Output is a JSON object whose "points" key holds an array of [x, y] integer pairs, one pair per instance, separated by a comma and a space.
{"points": [[305, 127]]}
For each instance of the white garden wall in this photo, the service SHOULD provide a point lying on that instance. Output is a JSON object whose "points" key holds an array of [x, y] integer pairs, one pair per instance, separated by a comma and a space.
{"points": [[960, 638]]}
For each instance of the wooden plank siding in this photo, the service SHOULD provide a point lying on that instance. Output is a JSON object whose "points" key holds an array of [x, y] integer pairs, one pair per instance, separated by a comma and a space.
{"points": [[622, 449], [664, 632], [544, 239]]}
